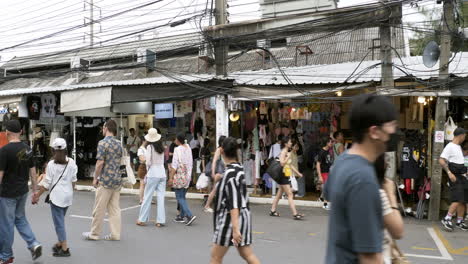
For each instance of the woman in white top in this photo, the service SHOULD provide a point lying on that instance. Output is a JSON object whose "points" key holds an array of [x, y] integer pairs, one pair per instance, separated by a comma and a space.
{"points": [[393, 222], [60, 178], [155, 179], [142, 168], [182, 161]]}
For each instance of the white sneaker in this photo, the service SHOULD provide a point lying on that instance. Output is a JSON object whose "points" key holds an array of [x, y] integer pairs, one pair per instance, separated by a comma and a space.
{"points": [[208, 210], [326, 207]]}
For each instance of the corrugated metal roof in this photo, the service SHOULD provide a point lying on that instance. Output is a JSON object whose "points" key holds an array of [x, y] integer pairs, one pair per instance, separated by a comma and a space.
{"points": [[143, 81], [339, 73], [106, 52]]}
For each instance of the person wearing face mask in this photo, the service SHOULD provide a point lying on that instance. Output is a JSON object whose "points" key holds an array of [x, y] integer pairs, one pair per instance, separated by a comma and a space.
{"points": [[453, 162], [355, 230]]}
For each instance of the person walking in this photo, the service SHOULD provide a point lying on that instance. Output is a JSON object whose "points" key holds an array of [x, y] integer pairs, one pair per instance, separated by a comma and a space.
{"points": [[338, 146], [155, 179], [283, 182], [324, 163], [233, 220], [142, 171], [355, 229], [108, 181], [205, 158], [16, 168], [393, 222], [453, 163], [59, 181], [180, 176], [133, 141], [217, 171]]}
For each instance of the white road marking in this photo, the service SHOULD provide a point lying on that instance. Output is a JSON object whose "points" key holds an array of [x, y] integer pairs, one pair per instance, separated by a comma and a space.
{"points": [[443, 251], [86, 217], [129, 208]]}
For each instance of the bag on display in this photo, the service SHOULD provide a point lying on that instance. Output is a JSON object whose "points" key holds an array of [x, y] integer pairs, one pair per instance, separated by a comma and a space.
{"points": [[449, 128]]}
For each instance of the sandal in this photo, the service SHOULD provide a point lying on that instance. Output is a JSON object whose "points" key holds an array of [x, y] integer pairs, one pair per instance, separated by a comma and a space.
{"points": [[274, 214], [140, 223], [298, 217], [159, 225]]}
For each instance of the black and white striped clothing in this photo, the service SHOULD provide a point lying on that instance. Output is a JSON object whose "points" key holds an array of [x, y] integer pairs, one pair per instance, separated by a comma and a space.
{"points": [[231, 193]]}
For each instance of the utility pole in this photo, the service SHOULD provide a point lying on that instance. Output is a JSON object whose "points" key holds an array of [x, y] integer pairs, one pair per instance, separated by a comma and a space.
{"points": [[91, 25], [221, 53], [441, 111], [388, 81]]}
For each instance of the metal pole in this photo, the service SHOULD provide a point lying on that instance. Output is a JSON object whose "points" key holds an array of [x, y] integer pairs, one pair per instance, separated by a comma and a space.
{"points": [[441, 111], [74, 138]]}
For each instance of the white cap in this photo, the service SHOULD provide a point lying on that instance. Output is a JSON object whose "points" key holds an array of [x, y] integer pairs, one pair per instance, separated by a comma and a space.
{"points": [[59, 144]]}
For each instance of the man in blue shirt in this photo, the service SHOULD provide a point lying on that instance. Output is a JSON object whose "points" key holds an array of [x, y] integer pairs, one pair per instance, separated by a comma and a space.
{"points": [[356, 221]]}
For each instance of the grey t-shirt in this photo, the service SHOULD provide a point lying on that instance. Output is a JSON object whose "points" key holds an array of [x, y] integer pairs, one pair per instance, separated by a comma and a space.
{"points": [[356, 221]]}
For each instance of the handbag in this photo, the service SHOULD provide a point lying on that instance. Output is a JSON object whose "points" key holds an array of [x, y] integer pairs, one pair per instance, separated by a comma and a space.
{"points": [[294, 185], [202, 182], [180, 177], [275, 170], [47, 198], [397, 256]]}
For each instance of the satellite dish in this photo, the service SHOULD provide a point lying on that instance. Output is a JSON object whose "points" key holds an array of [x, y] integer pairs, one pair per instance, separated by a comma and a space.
{"points": [[431, 54]]}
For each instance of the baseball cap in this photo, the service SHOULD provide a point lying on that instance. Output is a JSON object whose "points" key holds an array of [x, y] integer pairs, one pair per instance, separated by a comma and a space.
{"points": [[13, 126], [459, 131], [59, 144]]}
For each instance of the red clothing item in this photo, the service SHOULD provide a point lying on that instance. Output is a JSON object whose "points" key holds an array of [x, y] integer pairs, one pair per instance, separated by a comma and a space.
{"points": [[325, 177]]}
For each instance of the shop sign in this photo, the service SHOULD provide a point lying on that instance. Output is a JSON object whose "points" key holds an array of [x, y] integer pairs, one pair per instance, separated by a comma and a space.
{"points": [[439, 137], [163, 111]]}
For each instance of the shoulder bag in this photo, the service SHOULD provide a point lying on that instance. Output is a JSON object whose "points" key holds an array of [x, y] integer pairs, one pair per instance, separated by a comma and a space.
{"points": [[47, 199], [180, 177], [275, 170]]}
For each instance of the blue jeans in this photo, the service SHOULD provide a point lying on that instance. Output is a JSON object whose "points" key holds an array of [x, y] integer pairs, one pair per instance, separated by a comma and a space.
{"points": [[58, 216], [184, 209], [159, 185], [12, 213]]}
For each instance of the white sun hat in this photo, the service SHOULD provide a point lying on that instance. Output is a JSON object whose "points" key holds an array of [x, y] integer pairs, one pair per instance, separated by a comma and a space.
{"points": [[153, 135]]}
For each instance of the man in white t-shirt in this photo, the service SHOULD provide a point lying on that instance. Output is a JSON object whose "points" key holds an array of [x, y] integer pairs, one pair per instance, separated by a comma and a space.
{"points": [[275, 150], [453, 162]]}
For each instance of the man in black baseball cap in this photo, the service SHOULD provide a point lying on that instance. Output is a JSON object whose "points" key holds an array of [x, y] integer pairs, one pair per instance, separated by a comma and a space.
{"points": [[453, 162], [16, 167]]}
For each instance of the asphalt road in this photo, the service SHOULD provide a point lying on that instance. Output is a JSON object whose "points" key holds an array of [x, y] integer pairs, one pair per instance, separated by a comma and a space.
{"points": [[276, 240]]}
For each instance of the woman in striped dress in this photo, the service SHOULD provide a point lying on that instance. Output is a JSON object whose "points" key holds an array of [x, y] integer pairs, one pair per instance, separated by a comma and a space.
{"points": [[232, 218]]}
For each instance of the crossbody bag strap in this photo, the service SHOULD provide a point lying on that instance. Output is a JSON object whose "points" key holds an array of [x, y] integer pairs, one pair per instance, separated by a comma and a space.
{"points": [[63, 172]]}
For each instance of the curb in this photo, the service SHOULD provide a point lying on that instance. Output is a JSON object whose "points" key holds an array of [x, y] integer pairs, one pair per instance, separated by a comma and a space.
{"points": [[199, 196]]}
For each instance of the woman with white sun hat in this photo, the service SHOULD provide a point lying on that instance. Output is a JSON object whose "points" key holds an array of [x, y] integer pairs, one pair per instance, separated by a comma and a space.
{"points": [[155, 179]]}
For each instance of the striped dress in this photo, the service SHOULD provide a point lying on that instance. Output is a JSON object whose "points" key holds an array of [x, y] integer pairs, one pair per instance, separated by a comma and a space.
{"points": [[231, 193]]}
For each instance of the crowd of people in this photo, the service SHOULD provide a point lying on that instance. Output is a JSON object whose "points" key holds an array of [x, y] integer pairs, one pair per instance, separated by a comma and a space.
{"points": [[364, 217]]}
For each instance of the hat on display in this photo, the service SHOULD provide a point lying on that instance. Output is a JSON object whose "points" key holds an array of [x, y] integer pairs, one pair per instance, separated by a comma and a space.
{"points": [[13, 126], [153, 135], [234, 117], [459, 131], [59, 144]]}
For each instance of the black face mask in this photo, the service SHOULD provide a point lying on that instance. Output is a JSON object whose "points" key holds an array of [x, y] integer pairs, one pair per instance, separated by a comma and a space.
{"points": [[392, 143]]}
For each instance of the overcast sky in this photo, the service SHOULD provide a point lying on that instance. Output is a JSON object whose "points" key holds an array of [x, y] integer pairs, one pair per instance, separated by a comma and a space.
{"points": [[25, 20]]}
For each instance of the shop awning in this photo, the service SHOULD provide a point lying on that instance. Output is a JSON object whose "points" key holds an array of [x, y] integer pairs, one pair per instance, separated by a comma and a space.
{"points": [[85, 99], [10, 100]]}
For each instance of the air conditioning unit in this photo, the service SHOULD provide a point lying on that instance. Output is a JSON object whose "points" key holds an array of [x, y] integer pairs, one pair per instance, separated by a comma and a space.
{"points": [[264, 43], [77, 63], [147, 57], [205, 50]]}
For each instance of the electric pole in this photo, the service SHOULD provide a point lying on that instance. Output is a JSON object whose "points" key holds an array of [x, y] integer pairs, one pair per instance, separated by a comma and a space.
{"points": [[91, 25], [441, 111], [221, 53]]}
